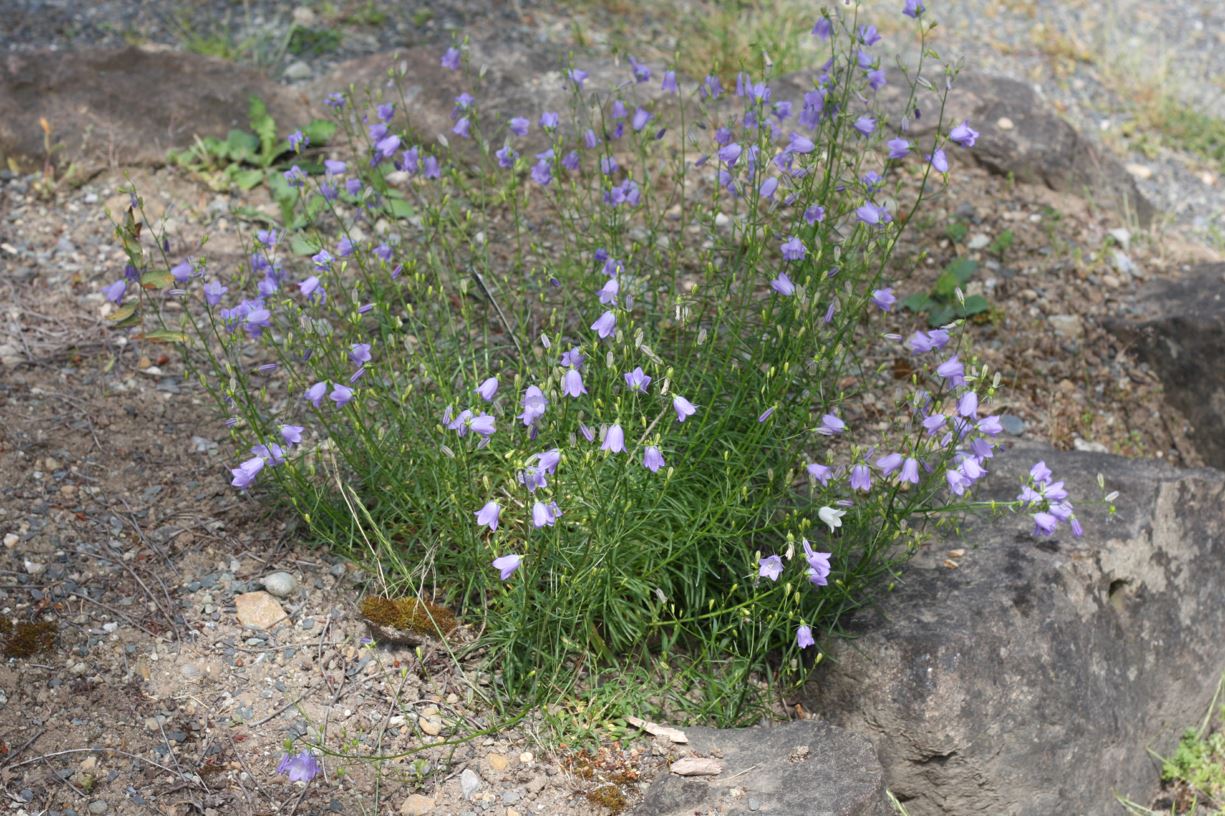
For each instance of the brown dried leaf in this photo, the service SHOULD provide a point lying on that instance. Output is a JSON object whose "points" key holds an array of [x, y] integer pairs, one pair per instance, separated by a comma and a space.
{"points": [[655, 729], [697, 766]]}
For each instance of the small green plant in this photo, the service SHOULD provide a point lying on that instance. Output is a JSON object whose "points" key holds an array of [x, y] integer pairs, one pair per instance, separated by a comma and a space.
{"points": [[942, 304], [957, 231], [248, 158], [312, 41], [1002, 243]]}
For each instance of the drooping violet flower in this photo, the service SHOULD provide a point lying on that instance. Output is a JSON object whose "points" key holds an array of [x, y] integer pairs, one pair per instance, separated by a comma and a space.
{"points": [[963, 135], [608, 292], [793, 249], [359, 353], [803, 637], [640, 119], [292, 434], [273, 454], [483, 424], [315, 394], [298, 140], [952, 370], [783, 285], [506, 157], [910, 471], [822, 29], [653, 459], [637, 380], [669, 83], [543, 515], [450, 59], [301, 767], [487, 516], [614, 439], [766, 414], [898, 148], [814, 214], [865, 125], [861, 478], [605, 324], [488, 389], [341, 395], [1044, 524], [820, 473], [549, 120], [570, 161], [889, 463], [534, 405], [870, 213], [572, 358], [183, 271], [572, 383], [884, 299], [939, 161], [683, 407], [967, 405], [542, 172], [876, 79], [831, 517], [462, 128], [578, 76], [818, 564], [770, 567], [506, 565], [587, 432], [245, 473], [913, 8], [114, 292], [831, 425], [729, 154]]}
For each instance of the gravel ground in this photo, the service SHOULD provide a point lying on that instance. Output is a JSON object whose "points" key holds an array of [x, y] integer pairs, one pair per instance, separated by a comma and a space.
{"points": [[121, 535]]}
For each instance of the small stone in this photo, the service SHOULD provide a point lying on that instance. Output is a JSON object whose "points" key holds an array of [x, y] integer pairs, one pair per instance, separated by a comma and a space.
{"points": [[304, 16], [1121, 236], [498, 762], [430, 726], [1140, 171], [298, 70], [1012, 424], [190, 671], [469, 782], [526, 758], [1003, 123], [97, 807], [280, 584], [512, 812], [35, 568], [978, 241], [1123, 264], [417, 805], [754, 803], [722, 221], [512, 797], [1068, 326], [536, 783], [1087, 446], [258, 609], [11, 539]]}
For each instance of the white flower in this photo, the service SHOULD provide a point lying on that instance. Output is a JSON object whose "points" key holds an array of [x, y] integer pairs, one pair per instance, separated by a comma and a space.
{"points": [[831, 517]]}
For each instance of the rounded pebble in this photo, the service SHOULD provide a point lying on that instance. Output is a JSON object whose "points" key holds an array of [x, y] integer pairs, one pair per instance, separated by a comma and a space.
{"points": [[280, 584]]}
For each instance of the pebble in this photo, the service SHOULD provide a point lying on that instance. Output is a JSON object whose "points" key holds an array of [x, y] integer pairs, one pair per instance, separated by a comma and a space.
{"points": [[1068, 326], [498, 762], [1121, 236], [11, 539], [430, 726], [97, 806], [978, 241], [280, 584], [1140, 171], [258, 609], [1123, 264], [754, 803], [1012, 424], [469, 782], [1087, 446], [512, 797], [298, 70], [417, 805]]}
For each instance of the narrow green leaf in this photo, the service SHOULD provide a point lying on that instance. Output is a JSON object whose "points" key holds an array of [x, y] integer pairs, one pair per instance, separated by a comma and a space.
{"points": [[166, 336]]}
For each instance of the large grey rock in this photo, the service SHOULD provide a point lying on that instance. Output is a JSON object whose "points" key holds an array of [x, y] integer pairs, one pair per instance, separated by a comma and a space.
{"points": [[1020, 135], [127, 106], [1034, 678], [1179, 331], [803, 768]]}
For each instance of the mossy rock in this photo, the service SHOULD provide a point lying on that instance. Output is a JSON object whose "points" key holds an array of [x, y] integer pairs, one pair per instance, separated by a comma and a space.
{"points": [[408, 621]]}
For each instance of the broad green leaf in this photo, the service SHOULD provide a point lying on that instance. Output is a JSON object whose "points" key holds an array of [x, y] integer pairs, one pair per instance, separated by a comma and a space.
{"points": [[166, 336], [248, 179], [975, 304], [242, 146], [319, 131], [399, 208], [918, 302], [940, 315], [962, 269], [156, 279], [302, 245], [264, 127], [125, 315]]}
